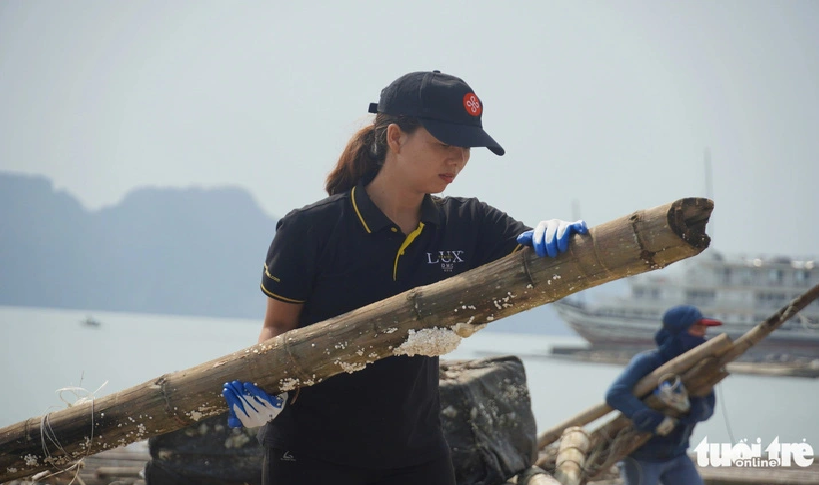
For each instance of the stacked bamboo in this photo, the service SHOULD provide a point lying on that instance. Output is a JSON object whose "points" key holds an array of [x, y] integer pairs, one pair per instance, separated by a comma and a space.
{"points": [[700, 369], [428, 320]]}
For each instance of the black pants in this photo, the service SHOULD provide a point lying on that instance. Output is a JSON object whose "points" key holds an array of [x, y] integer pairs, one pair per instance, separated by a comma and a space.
{"points": [[282, 467]]}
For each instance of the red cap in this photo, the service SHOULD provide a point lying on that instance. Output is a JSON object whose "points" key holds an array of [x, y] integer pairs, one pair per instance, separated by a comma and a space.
{"points": [[709, 322]]}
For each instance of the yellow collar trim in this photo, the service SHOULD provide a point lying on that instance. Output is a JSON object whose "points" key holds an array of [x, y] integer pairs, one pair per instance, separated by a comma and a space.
{"points": [[358, 212], [410, 237]]}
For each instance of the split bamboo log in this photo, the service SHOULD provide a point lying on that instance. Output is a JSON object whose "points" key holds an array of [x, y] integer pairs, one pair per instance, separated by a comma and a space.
{"points": [[618, 438], [428, 320]]}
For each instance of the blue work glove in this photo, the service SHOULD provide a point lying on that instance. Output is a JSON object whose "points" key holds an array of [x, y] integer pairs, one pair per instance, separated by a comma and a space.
{"points": [[552, 237], [651, 421], [250, 406]]}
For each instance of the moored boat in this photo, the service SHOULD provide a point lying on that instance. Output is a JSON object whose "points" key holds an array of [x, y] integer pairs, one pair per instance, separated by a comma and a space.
{"points": [[741, 291]]}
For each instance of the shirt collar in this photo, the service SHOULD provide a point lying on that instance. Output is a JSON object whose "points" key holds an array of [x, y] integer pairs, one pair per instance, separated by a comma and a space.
{"points": [[373, 220]]}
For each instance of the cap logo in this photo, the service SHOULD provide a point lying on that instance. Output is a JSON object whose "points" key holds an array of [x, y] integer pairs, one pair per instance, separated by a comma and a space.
{"points": [[472, 104]]}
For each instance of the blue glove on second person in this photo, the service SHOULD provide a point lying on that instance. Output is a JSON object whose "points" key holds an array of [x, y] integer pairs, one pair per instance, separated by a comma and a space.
{"points": [[552, 237], [250, 406], [672, 393]]}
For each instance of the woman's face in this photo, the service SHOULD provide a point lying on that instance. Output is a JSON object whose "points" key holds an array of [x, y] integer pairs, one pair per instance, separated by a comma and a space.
{"points": [[426, 164]]}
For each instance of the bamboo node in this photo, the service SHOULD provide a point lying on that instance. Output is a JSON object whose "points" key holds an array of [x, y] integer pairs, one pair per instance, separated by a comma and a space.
{"points": [[645, 255], [412, 297], [526, 270], [169, 409]]}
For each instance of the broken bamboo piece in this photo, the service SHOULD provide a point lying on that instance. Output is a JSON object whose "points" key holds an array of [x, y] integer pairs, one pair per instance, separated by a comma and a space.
{"points": [[428, 320], [533, 476], [571, 456], [617, 439]]}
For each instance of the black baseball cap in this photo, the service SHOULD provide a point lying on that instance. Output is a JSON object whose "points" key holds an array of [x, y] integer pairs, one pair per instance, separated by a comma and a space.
{"points": [[445, 105]]}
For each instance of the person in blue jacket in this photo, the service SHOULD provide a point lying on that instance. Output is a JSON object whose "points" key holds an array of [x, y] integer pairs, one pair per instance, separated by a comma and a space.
{"points": [[664, 457]]}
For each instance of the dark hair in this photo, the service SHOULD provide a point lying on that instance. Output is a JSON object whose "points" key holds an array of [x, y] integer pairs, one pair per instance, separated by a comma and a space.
{"points": [[364, 154]]}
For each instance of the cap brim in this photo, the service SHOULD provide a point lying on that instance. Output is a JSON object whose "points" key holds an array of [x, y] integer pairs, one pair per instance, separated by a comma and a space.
{"points": [[462, 135], [709, 322]]}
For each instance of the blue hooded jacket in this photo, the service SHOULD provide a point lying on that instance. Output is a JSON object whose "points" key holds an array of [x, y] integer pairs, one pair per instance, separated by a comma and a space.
{"points": [[672, 340]]}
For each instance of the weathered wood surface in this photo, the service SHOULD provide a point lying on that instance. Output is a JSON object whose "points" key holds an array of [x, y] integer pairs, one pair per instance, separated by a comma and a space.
{"points": [[428, 320], [121, 466], [571, 455]]}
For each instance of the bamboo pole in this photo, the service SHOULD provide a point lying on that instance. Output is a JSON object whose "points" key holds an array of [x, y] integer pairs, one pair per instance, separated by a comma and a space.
{"points": [[617, 439], [428, 320], [759, 332], [571, 456]]}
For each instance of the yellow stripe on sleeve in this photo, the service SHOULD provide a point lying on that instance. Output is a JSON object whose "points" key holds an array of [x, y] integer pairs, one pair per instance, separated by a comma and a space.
{"points": [[267, 273], [279, 297]]}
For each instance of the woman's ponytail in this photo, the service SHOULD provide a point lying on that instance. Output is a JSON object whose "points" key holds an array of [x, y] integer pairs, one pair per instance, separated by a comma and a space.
{"points": [[364, 154]]}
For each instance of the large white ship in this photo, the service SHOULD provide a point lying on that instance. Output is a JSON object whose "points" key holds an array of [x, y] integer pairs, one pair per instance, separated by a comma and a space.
{"points": [[741, 291]]}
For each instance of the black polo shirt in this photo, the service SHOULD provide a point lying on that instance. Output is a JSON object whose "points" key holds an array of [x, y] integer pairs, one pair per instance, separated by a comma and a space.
{"points": [[343, 253]]}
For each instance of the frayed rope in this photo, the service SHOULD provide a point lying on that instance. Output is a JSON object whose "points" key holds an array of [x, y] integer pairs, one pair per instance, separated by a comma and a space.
{"points": [[47, 434]]}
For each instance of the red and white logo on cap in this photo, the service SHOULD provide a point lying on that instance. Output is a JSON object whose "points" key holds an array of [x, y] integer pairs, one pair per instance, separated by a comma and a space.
{"points": [[472, 104]]}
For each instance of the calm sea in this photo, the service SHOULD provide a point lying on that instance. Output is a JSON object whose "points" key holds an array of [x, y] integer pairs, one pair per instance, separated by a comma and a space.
{"points": [[46, 350]]}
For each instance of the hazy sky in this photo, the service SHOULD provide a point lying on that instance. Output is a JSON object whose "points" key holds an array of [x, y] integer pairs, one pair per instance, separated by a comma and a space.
{"points": [[609, 104]]}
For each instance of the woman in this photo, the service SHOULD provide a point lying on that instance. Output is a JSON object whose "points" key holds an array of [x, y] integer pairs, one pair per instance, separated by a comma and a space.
{"points": [[380, 233]]}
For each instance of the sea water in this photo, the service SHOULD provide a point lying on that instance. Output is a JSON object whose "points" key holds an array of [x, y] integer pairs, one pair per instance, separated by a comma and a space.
{"points": [[48, 349]]}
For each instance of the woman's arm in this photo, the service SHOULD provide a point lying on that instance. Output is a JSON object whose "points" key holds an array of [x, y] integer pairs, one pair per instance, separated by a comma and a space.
{"points": [[280, 317]]}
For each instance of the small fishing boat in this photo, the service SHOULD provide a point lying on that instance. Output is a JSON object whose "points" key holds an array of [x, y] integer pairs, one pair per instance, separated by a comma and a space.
{"points": [[91, 322]]}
